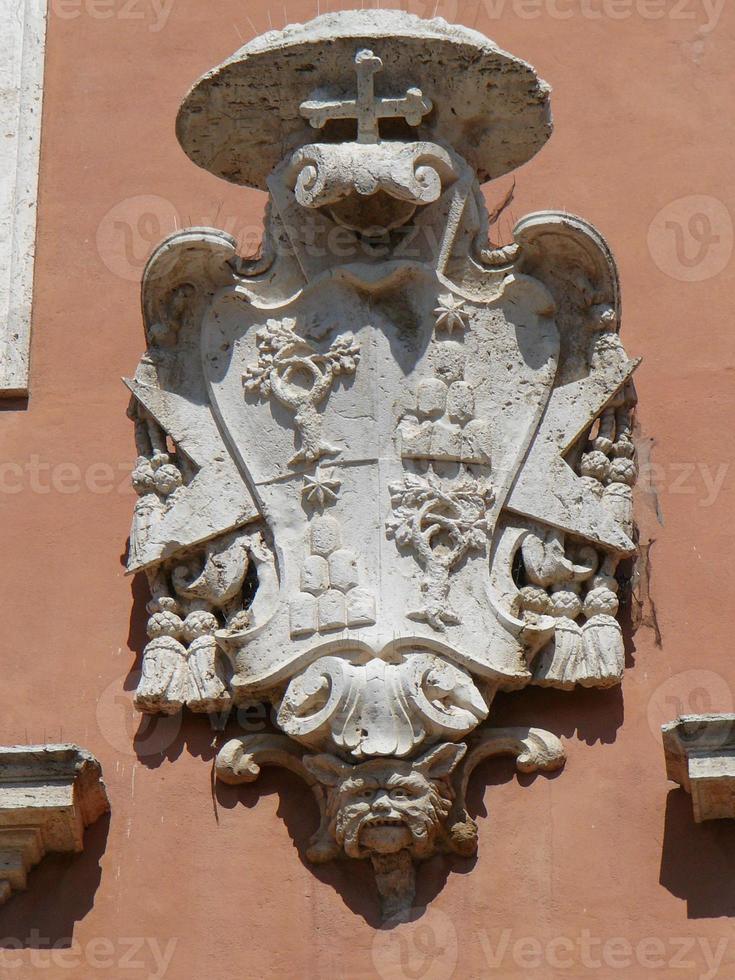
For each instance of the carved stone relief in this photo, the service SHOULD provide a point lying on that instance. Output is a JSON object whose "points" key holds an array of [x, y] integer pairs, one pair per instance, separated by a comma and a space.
{"points": [[382, 482], [295, 373], [394, 812]]}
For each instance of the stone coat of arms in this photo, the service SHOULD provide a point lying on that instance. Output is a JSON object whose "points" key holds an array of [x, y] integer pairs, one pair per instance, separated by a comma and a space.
{"points": [[385, 468]]}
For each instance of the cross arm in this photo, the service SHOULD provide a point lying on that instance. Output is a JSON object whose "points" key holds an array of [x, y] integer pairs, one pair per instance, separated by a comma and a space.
{"points": [[319, 113]]}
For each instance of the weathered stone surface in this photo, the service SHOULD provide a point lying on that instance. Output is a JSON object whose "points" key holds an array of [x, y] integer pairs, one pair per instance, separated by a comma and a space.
{"points": [[304, 615], [332, 611], [244, 116], [360, 608], [326, 535], [198, 601], [48, 795], [700, 757], [315, 575], [343, 570]]}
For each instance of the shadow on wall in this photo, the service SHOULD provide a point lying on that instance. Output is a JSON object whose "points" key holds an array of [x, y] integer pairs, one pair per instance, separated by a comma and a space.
{"points": [[697, 860], [140, 594], [353, 880], [594, 715], [19, 404], [60, 892]]}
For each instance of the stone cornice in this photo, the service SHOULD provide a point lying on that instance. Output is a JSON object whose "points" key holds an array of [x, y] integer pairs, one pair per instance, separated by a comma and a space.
{"points": [[48, 795], [700, 757]]}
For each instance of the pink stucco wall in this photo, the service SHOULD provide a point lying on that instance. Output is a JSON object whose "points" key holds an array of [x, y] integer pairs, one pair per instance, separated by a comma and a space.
{"points": [[598, 871]]}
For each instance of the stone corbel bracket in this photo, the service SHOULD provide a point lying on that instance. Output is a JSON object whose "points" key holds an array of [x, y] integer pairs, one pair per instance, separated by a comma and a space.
{"points": [[700, 757], [48, 795], [395, 812]]}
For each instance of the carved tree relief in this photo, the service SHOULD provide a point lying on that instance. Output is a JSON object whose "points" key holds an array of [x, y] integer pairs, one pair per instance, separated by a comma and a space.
{"points": [[380, 480]]}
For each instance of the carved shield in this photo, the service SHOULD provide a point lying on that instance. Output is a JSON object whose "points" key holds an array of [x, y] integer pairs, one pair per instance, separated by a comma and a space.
{"points": [[380, 432], [428, 436]]}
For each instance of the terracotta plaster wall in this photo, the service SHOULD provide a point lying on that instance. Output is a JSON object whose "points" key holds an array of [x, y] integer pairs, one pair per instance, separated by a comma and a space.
{"points": [[596, 872]]}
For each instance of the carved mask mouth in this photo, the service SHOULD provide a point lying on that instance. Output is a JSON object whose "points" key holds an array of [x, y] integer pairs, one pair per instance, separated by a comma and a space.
{"points": [[384, 822], [385, 835]]}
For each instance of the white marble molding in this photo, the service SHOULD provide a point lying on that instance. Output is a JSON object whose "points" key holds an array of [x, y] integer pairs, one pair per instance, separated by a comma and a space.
{"points": [[22, 47]]}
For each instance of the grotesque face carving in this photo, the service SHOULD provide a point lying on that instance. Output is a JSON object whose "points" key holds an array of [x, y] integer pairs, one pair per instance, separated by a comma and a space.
{"points": [[388, 805]]}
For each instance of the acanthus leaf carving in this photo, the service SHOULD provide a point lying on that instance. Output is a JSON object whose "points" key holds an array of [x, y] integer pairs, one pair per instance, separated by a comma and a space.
{"points": [[377, 708]]}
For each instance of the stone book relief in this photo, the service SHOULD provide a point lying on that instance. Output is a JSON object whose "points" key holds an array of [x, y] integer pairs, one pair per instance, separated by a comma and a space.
{"points": [[385, 468]]}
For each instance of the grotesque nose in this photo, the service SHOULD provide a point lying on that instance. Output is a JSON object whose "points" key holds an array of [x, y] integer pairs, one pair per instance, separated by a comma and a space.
{"points": [[381, 801]]}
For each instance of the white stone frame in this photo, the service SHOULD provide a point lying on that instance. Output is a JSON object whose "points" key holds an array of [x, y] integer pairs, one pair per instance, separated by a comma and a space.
{"points": [[22, 46]]}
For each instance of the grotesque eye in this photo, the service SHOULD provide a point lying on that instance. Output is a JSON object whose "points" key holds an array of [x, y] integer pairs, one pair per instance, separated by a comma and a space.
{"points": [[365, 794], [400, 793]]}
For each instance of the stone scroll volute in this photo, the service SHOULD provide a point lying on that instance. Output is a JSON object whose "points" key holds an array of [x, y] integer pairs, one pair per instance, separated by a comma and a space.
{"points": [[385, 470]]}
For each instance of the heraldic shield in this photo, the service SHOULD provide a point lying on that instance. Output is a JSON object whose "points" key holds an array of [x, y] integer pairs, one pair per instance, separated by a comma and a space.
{"points": [[385, 469]]}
